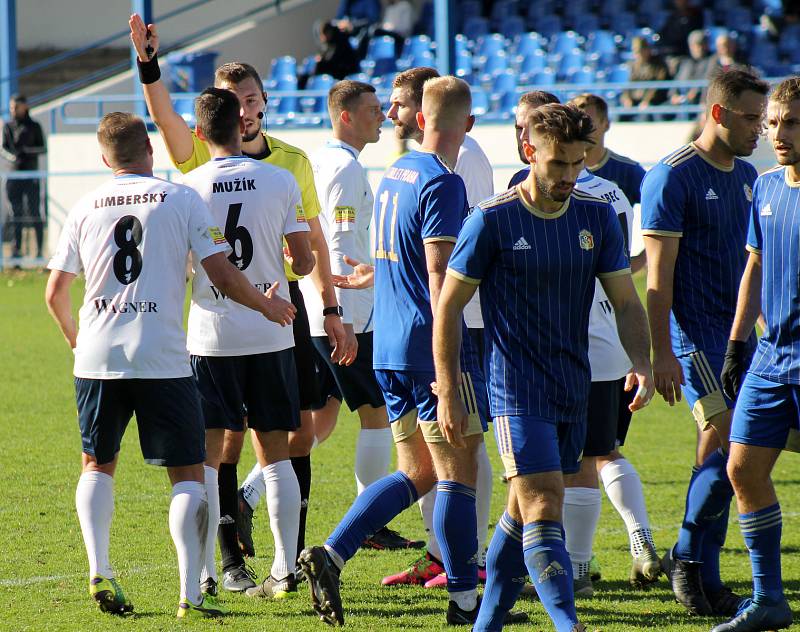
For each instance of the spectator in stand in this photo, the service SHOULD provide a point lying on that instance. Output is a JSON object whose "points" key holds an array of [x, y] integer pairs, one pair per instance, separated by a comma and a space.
{"points": [[776, 22], [692, 68], [645, 66], [682, 20], [23, 143], [337, 59], [398, 22], [357, 18], [727, 56]]}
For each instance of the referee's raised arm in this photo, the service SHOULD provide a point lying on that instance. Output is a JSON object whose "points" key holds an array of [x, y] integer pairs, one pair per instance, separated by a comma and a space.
{"points": [[176, 133]]}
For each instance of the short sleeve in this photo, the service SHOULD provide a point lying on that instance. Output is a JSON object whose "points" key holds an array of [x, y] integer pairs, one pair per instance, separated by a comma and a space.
{"points": [[443, 206], [67, 256], [295, 217], [612, 259], [664, 199], [200, 156], [205, 237], [755, 239], [344, 198], [474, 250]]}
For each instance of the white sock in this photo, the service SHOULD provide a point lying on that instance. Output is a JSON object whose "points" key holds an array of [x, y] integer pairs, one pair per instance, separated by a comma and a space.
{"points": [[283, 504], [466, 599], [188, 525], [581, 512], [373, 455], [426, 505], [624, 490], [483, 500], [253, 487], [94, 500], [212, 494]]}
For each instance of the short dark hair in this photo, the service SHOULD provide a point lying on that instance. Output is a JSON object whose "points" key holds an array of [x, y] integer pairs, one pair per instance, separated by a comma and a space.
{"points": [[235, 72], [217, 113], [786, 91], [535, 98], [414, 80], [123, 138], [589, 100], [728, 85], [344, 94], [561, 123], [19, 98]]}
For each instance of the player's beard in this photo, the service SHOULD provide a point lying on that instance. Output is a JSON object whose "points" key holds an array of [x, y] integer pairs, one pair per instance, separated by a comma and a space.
{"points": [[246, 138], [405, 132], [791, 158], [547, 190]]}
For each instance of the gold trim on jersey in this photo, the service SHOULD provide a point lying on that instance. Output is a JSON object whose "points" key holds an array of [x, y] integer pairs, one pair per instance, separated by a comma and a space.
{"points": [[755, 251], [499, 198], [771, 169], [661, 233], [462, 277], [601, 163], [713, 163], [621, 158], [790, 183], [615, 273], [447, 238], [679, 155], [539, 213], [582, 195]]}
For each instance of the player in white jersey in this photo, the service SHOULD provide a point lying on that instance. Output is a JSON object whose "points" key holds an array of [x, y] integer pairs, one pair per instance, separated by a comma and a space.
{"points": [[245, 367], [132, 237]]}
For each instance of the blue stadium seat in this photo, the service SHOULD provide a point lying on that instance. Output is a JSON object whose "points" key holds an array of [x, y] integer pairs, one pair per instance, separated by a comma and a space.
{"points": [[464, 66], [528, 43], [467, 9], [623, 22], [567, 63], [424, 25], [603, 44], [536, 11], [281, 67], [461, 43], [475, 27], [583, 75], [611, 8], [480, 102], [317, 104], [763, 53], [417, 44], [789, 42], [618, 74], [359, 76], [737, 17], [512, 26], [307, 65], [574, 8], [504, 87], [564, 42], [547, 25], [381, 48], [543, 78], [286, 106], [383, 82], [533, 62], [493, 64], [488, 45], [585, 24]]}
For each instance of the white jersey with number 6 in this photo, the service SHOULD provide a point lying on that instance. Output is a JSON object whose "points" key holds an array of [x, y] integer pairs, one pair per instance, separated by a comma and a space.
{"points": [[132, 237], [257, 204]]}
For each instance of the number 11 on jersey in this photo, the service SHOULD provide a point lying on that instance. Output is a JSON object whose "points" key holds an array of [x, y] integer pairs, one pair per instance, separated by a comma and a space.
{"points": [[381, 252]]}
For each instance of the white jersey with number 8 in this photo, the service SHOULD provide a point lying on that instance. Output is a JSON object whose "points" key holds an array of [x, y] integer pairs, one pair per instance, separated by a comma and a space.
{"points": [[132, 238], [256, 204]]}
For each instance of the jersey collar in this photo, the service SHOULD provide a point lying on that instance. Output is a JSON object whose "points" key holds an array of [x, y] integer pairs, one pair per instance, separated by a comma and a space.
{"points": [[335, 143], [789, 183], [716, 165], [585, 176], [264, 154], [541, 214], [602, 162]]}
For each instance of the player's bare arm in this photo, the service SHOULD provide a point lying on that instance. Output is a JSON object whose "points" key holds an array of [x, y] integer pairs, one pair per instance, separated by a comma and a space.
{"points": [[361, 278], [176, 133], [299, 254], [343, 350], [234, 284], [450, 410], [437, 254], [748, 312], [662, 252], [59, 304], [633, 334]]}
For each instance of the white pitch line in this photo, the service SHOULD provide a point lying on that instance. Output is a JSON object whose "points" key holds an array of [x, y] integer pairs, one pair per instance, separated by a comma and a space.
{"points": [[44, 579]]}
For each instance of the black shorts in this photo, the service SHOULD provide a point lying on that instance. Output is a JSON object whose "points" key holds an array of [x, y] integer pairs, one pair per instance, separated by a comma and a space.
{"points": [[303, 351], [261, 387], [167, 412], [356, 383], [608, 417], [326, 384]]}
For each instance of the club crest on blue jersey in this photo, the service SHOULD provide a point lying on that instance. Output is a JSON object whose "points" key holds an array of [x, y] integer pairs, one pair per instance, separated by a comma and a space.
{"points": [[748, 192], [585, 239]]}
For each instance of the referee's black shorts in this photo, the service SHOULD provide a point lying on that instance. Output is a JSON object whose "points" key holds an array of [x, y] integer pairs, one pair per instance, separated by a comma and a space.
{"points": [[355, 383], [303, 351], [608, 417]]}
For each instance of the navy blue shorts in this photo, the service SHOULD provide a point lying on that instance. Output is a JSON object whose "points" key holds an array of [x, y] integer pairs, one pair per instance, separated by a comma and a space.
{"points": [[608, 417], [303, 351], [532, 445], [261, 387], [355, 383], [766, 412], [167, 412]]}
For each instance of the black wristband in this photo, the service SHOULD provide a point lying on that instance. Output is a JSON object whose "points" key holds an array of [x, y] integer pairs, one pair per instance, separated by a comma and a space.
{"points": [[336, 310], [736, 348], [149, 72]]}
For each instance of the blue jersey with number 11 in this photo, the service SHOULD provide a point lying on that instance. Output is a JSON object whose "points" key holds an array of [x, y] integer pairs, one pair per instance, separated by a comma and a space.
{"points": [[419, 200]]}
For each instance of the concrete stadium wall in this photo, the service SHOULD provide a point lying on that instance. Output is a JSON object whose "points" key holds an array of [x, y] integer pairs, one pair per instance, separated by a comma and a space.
{"points": [[78, 153]]}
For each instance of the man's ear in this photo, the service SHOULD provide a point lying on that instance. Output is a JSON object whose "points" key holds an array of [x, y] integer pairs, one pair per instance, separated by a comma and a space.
{"points": [[529, 151], [421, 120], [199, 133], [105, 161], [345, 117], [471, 122], [716, 113]]}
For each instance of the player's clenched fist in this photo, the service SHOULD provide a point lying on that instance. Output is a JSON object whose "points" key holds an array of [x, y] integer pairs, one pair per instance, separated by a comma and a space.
{"points": [[144, 38]]}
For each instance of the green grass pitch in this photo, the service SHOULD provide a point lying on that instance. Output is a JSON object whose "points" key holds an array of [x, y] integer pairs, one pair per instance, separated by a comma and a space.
{"points": [[43, 570]]}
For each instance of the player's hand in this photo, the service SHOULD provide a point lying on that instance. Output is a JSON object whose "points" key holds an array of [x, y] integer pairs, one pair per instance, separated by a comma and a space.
{"points": [[453, 419], [362, 276], [144, 38], [350, 347], [643, 378], [734, 367], [277, 309], [668, 377], [337, 337]]}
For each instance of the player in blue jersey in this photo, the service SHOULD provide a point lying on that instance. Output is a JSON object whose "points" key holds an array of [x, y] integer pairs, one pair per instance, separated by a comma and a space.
{"points": [[535, 251], [695, 205], [767, 405], [420, 205]]}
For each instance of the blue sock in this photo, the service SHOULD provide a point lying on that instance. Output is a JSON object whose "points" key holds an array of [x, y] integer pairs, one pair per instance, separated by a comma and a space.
{"points": [[455, 524], [548, 564], [372, 509], [505, 575], [710, 492], [762, 536], [713, 542]]}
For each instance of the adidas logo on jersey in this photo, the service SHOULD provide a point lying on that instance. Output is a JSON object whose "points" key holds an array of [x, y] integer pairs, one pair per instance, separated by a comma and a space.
{"points": [[711, 195], [766, 210], [522, 244]]}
